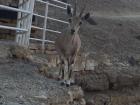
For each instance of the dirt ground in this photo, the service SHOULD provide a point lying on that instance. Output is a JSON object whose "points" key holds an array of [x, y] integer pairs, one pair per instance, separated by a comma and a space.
{"points": [[21, 84], [20, 81]]}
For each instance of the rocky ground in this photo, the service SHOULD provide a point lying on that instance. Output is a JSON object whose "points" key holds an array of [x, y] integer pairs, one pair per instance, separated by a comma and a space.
{"points": [[28, 80], [22, 84]]}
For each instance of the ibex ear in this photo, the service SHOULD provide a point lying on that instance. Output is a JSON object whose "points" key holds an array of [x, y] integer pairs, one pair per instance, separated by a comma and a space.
{"points": [[87, 15], [69, 10], [89, 19]]}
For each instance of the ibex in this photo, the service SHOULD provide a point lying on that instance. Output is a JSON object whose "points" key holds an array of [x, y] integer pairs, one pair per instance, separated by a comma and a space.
{"points": [[69, 43]]}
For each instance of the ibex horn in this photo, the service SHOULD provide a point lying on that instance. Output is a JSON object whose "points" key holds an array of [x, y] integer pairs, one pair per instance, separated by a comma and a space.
{"points": [[83, 9], [75, 8]]}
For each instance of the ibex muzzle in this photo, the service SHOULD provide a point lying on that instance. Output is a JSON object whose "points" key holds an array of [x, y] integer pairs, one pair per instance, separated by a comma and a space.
{"points": [[68, 46]]}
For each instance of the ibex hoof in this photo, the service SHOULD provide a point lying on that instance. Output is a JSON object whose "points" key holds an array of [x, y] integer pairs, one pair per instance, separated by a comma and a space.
{"points": [[68, 85], [62, 83]]}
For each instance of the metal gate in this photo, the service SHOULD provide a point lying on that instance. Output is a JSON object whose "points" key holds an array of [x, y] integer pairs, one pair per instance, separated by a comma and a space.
{"points": [[24, 25]]}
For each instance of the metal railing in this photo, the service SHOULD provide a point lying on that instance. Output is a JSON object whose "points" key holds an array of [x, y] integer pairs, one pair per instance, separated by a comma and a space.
{"points": [[25, 12]]}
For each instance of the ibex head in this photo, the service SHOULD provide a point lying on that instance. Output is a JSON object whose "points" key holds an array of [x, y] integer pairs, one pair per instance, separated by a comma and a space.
{"points": [[75, 20]]}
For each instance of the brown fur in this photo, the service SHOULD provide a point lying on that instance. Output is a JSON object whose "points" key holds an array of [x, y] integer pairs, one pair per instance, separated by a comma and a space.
{"points": [[69, 43]]}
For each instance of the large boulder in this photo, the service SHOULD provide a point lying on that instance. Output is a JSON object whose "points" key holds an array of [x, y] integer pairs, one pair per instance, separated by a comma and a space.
{"points": [[90, 60], [92, 81], [108, 77], [123, 76], [113, 99], [62, 96], [98, 99]]}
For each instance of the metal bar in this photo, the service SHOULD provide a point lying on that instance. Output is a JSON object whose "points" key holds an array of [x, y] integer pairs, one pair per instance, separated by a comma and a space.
{"points": [[39, 15], [51, 4], [47, 29], [51, 18], [53, 31], [36, 27], [53, 0], [14, 9], [61, 2], [50, 41], [41, 1], [42, 40], [58, 20], [36, 39], [12, 28], [57, 6], [44, 28]]}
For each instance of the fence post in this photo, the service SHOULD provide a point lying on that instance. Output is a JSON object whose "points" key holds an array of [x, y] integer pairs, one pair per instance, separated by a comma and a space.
{"points": [[45, 26], [25, 21], [29, 21], [18, 34]]}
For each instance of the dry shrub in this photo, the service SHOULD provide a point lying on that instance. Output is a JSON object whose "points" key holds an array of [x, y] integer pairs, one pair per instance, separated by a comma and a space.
{"points": [[19, 52]]}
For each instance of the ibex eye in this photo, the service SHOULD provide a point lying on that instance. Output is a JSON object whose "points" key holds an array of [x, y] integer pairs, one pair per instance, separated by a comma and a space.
{"points": [[80, 23], [69, 20]]}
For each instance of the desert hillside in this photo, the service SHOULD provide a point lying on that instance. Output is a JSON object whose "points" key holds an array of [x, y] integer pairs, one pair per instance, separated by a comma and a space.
{"points": [[117, 31]]}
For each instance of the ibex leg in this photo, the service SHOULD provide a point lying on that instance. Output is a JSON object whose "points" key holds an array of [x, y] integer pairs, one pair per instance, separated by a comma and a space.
{"points": [[61, 69], [71, 62]]}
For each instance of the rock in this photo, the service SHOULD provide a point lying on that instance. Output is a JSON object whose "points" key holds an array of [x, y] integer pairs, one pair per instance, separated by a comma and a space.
{"points": [[79, 102], [80, 62], [107, 77], [126, 80], [92, 81], [112, 98], [124, 100], [84, 62], [100, 58], [99, 99], [90, 64], [20, 52], [120, 77], [88, 61], [76, 92], [62, 96]]}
